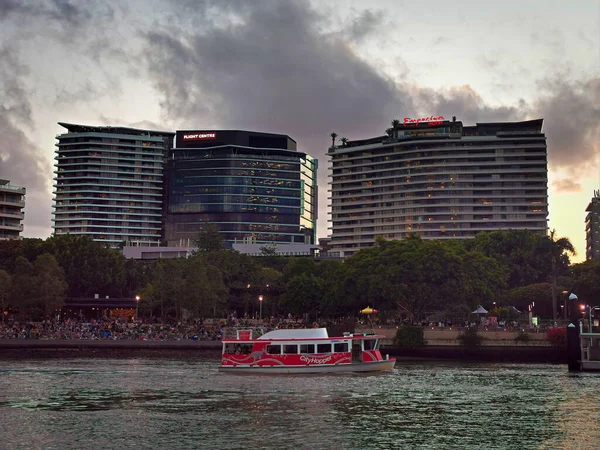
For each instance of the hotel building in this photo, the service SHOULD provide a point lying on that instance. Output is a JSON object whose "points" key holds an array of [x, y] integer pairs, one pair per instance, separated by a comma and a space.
{"points": [[440, 180], [109, 183], [257, 188], [12, 202], [592, 228]]}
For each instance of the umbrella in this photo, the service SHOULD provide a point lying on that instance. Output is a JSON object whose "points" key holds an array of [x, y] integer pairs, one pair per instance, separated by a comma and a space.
{"points": [[368, 310], [480, 310]]}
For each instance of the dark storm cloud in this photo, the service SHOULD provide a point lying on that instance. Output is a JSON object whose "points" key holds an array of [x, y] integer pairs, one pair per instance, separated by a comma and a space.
{"points": [[466, 104], [21, 161], [71, 13], [272, 70], [364, 24], [572, 121]]}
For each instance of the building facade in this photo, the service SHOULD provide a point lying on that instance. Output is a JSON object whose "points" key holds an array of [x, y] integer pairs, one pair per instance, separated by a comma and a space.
{"points": [[255, 187], [592, 227], [440, 180], [109, 184], [12, 202]]}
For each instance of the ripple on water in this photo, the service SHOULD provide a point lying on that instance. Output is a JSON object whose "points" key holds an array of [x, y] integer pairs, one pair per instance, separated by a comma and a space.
{"points": [[185, 404]]}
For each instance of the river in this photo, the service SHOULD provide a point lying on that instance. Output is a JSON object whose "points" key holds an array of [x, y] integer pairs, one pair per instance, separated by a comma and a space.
{"points": [[173, 404]]}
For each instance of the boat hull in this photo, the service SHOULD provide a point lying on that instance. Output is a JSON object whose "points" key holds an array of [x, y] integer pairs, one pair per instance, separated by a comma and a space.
{"points": [[373, 366]]}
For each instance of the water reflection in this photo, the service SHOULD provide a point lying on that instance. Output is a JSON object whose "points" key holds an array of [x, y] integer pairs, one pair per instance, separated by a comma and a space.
{"points": [[188, 404]]}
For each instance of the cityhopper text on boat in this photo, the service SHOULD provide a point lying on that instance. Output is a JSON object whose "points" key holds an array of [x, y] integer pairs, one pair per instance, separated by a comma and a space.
{"points": [[431, 120]]}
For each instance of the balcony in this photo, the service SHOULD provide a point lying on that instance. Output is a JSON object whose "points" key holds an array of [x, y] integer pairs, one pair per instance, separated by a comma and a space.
{"points": [[13, 214], [11, 227]]}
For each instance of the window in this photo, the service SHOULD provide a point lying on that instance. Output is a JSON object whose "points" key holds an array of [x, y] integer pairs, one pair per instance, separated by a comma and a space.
{"points": [[370, 344], [290, 349], [307, 348], [340, 347], [274, 349], [323, 348], [230, 348]]}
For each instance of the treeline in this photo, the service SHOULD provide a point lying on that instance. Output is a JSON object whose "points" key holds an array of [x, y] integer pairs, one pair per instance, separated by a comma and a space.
{"points": [[414, 277]]}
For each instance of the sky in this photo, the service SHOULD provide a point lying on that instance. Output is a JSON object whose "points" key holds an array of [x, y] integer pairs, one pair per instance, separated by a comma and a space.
{"points": [[301, 68]]}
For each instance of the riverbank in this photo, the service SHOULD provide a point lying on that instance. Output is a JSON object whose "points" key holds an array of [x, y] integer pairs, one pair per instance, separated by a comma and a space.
{"points": [[52, 349]]}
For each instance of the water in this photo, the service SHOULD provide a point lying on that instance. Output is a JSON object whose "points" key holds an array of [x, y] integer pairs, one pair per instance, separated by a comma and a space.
{"points": [[173, 404]]}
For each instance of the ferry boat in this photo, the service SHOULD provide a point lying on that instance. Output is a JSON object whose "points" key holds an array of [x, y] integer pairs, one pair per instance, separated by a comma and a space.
{"points": [[300, 351]]}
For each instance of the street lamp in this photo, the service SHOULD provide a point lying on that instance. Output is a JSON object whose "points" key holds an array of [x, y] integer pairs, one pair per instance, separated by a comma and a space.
{"points": [[137, 304], [260, 299]]}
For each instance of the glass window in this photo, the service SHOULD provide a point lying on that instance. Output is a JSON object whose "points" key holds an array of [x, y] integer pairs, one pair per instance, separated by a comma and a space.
{"points": [[323, 348], [290, 349], [370, 344], [340, 347], [307, 348], [274, 349], [229, 348]]}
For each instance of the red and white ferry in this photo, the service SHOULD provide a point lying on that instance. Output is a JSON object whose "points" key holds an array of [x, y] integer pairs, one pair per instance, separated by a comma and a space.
{"points": [[303, 351]]}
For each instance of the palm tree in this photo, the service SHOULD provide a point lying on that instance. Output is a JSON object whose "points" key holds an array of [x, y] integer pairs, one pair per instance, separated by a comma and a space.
{"points": [[389, 132], [333, 136], [344, 141], [395, 127], [557, 249]]}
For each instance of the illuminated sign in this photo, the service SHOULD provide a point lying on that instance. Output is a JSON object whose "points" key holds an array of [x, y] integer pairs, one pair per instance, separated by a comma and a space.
{"points": [[199, 136], [431, 120]]}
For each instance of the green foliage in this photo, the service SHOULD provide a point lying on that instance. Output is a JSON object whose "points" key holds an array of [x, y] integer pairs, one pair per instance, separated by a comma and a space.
{"points": [[470, 338], [5, 287], [303, 295], [50, 284], [209, 239], [540, 294], [409, 337], [586, 281], [523, 336]]}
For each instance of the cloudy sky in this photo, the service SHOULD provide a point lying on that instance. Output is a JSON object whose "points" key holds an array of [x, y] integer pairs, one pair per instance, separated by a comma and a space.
{"points": [[301, 68]]}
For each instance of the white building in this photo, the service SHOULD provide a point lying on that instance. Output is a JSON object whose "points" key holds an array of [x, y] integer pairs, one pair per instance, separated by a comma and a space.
{"points": [[440, 180]]}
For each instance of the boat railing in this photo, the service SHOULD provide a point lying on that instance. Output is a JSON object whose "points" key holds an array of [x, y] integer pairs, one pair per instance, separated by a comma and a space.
{"points": [[244, 333]]}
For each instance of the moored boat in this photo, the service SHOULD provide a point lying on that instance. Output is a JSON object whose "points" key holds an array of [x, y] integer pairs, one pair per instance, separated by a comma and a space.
{"points": [[299, 351]]}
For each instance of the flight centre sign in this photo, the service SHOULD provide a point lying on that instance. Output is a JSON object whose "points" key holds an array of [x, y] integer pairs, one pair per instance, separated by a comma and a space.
{"points": [[195, 136]]}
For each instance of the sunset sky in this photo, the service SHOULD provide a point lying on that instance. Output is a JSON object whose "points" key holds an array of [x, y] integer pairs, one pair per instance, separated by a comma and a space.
{"points": [[301, 68]]}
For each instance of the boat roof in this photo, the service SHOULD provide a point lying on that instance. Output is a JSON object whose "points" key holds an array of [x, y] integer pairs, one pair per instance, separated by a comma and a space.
{"points": [[304, 334], [296, 333]]}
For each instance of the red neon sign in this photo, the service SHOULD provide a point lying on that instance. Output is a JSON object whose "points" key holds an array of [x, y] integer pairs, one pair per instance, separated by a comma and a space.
{"points": [[431, 120]]}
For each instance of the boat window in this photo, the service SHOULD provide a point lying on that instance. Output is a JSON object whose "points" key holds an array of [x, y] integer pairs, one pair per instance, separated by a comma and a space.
{"points": [[290, 349], [370, 344], [307, 348], [323, 348], [229, 348], [274, 349], [340, 347]]}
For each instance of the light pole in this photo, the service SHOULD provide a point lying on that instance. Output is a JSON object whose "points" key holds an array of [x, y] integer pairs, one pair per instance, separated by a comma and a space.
{"points": [[260, 299], [137, 304]]}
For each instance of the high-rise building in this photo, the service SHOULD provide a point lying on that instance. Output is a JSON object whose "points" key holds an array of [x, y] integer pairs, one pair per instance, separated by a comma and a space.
{"points": [[12, 202], [592, 227], [109, 183], [440, 180], [255, 187]]}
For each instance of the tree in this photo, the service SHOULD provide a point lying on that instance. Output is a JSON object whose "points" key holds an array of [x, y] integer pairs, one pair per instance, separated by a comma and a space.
{"points": [[585, 281], [395, 127], [5, 286], [209, 239], [333, 136], [559, 249], [303, 295], [344, 141], [50, 283], [22, 290]]}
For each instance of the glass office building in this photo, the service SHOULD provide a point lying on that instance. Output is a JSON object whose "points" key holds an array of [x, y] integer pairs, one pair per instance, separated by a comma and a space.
{"points": [[255, 187], [109, 184], [440, 180]]}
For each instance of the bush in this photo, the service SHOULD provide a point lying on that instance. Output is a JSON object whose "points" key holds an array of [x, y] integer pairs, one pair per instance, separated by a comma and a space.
{"points": [[557, 337], [408, 337], [523, 336], [470, 338]]}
